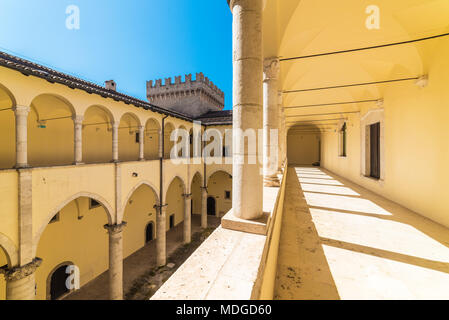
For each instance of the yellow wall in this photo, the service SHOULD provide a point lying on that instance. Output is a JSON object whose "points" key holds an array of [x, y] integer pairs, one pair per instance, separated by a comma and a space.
{"points": [[97, 136], [7, 137], [83, 242], [218, 183], [302, 148], [152, 140], [175, 202], [416, 144], [3, 262], [139, 212], [197, 182]]}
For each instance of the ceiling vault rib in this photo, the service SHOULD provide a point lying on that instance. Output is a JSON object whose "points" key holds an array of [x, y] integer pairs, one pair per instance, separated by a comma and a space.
{"points": [[331, 104], [365, 48], [350, 85], [321, 114]]}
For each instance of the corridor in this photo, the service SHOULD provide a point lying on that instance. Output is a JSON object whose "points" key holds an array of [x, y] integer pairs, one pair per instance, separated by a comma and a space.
{"points": [[341, 241]]}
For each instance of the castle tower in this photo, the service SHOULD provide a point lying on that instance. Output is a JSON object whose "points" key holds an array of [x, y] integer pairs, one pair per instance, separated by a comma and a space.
{"points": [[191, 97]]}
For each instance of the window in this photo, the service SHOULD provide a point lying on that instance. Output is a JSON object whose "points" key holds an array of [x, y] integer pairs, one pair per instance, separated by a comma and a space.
{"points": [[94, 204], [343, 140], [137, 137], [374, 152], [228, 195]]}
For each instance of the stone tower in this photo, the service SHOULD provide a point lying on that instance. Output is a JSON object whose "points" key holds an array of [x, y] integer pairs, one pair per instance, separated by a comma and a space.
{"points": [[191, 97]]}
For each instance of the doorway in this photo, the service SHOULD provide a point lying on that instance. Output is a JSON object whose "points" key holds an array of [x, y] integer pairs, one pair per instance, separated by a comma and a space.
{"points": [[58, 286], [149, 232], [211, 206], [172, 221]]}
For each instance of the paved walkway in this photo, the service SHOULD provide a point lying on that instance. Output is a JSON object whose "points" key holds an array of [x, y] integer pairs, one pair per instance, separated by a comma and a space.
{"points": [[341, 241], [138, 263]]}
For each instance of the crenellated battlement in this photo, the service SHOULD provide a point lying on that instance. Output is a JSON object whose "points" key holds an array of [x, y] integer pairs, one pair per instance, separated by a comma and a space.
{"points": [[192, 97], [187, 83]]}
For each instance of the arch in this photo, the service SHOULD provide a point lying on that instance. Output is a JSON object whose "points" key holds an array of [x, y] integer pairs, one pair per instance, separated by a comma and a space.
{"points": [[107, 207], [195, 174], [10, 250], [50, 278], [7, 128], [97, 134], [219, 186], [137, 186], [171, 182], [50, 131], [215, 172], [151, 139], [9, 94], [175, 202], [128, 137]]}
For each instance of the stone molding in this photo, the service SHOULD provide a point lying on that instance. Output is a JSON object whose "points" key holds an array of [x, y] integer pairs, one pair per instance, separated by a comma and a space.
{"points": [[271, 69], [115, 228], [19, 273]]}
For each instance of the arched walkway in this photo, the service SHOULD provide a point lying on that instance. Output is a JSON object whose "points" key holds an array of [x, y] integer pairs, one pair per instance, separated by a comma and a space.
{"points": [[168, 144], [175, 203], [128, 138], [219, 186], [97, 135], [139, 212], [7, 129], [81, 238], [151, 142], [50, 131]]}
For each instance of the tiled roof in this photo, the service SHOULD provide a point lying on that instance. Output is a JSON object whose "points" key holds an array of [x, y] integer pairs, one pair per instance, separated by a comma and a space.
{"points": [[216, 118], [30, 68]]}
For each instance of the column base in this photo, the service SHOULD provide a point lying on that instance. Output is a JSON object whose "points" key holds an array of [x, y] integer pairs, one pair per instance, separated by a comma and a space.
{"points": [[78, 163], [271, 181], [258, 226], [22, 166]]}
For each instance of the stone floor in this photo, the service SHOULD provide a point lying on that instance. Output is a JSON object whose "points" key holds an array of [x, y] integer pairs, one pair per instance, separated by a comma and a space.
{"points": [[138, 263], [341, 241]]}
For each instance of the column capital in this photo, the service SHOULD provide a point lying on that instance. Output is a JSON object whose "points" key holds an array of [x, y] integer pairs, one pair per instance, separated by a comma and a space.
{"points": [[21, 110], [115, 228], [246, 4], [18, 273], [187, 195], [115, 124], [271, 68], [78, 119]]}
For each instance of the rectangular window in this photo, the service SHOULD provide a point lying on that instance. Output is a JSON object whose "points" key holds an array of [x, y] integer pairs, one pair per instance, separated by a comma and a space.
{"points": [[228, 195], [374, 152], [343, 140], [137, 137]]}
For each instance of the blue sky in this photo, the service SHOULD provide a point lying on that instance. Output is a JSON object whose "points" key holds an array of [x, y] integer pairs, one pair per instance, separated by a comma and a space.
{"points": [[129, 41]]}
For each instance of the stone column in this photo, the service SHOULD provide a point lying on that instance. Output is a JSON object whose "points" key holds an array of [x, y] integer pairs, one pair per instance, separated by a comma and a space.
{"points": [[115, 126], [161, 235], [78, 135], [284, 138], [247, 106], [270, 122], [20, 281], [115, 260], [187, 218], [203, 207], [21, 114], [141, 143]]}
